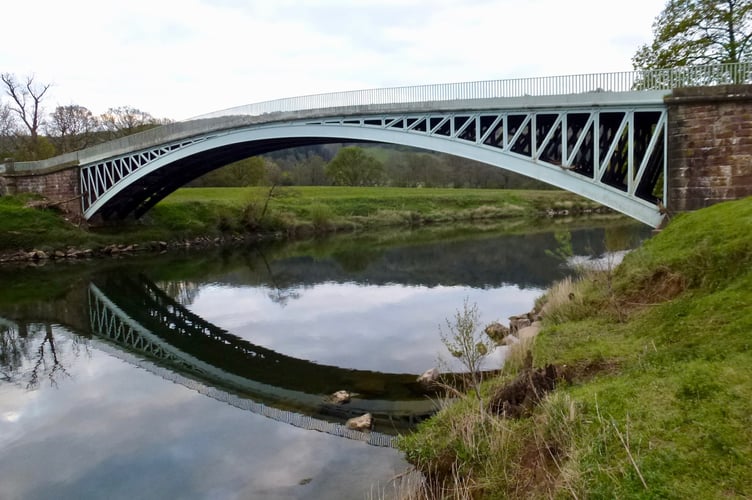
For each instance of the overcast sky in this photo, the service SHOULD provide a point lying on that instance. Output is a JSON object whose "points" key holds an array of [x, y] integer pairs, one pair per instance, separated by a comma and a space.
{"points": [[181, 58]]}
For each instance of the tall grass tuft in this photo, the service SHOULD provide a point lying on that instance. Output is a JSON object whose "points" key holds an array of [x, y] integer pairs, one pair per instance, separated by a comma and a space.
{"points": [[321, 217]]}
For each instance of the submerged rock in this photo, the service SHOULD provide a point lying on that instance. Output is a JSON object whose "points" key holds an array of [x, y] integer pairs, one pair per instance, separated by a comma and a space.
{"points": [[340, 397], [517, 323], [361, 423], [496, 331]]}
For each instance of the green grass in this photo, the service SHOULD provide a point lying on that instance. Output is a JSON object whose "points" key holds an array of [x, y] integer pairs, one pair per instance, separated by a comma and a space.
{"points": [[301, 211], [22, 227], [366, 201], [661, 391]]}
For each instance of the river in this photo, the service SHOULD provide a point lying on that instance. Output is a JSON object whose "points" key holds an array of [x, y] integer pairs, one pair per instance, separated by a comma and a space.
{"points": [[206, 374]]}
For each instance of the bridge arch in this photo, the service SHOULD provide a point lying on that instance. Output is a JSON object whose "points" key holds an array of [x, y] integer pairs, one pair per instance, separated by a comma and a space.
{"points": [[614, 156]]}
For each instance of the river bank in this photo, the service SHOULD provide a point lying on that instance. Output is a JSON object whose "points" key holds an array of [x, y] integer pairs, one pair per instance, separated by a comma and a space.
{"points": [[193, 217], [646, 401]]}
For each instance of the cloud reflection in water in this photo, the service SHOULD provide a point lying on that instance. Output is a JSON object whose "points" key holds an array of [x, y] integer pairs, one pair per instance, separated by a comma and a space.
{"points": [[113, 430], [389, 328]]}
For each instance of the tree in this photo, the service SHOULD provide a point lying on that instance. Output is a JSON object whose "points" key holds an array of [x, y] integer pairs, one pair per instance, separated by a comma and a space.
{"points": [[309, 171], [465, 341], [72, 128], [126, 120], [27, 104], [248, 172], [8, 130], [7, 121], [696, 32], [353, 166]]}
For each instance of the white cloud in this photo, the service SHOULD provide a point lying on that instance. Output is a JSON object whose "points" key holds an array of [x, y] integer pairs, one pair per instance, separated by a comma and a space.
{"points": [[182, 58]]}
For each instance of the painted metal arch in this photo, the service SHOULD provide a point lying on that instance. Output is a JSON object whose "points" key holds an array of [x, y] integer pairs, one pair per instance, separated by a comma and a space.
{"points": [[614, 156]]}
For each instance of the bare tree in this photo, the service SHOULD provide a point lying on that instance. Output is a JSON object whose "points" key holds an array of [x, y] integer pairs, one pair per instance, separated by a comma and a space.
{"points": [[8, 130], [126, 120], [8, 126], [27, 104], [72, 128]]}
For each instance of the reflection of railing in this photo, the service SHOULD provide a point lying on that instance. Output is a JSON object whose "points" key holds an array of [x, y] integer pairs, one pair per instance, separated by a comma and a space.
{"points": [[625, 81], [110, 322]]}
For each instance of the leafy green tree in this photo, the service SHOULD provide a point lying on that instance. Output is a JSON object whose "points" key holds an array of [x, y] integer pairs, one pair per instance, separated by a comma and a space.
{"points": [[695, 32], [248, 172], [353, 166]]}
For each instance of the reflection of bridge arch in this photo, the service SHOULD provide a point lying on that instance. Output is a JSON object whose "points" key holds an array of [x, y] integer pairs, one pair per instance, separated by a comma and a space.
{"points": [[285, 416], [137, 315]]}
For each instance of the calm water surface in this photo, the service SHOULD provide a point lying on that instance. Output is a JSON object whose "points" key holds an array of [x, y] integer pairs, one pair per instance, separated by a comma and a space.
{"points": [[206, 374]]}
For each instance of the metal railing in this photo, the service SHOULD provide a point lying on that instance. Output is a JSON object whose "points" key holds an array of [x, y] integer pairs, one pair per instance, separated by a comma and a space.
{"points": [[625, 81]]}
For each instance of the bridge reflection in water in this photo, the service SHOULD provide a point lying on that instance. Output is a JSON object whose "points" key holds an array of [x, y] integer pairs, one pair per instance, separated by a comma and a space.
{"points": [[163, 337]]}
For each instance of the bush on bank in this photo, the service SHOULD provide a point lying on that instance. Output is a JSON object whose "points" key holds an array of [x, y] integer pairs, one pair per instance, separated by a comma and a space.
{"points": [[656, 397]]}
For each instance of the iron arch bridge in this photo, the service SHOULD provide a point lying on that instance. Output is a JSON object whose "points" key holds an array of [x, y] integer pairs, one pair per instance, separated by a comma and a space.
{"points": [[602, 136], [614, 155]]}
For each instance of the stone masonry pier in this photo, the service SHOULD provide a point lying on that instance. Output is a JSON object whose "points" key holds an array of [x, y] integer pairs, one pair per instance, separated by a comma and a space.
{"points": [[709, 146]]}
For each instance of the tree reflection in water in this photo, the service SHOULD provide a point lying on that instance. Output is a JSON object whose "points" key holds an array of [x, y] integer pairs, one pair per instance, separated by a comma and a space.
{"points": [[31, 352]]}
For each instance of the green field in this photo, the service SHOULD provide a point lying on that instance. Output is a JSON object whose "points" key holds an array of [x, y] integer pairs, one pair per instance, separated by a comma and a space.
{"points": [[366, 201], [286, 211], [655, 400]]}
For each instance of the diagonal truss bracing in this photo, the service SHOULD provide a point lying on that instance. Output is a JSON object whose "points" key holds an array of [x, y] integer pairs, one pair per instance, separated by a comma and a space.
{"points": [[623, 149], [98, 178], [614, 155]]}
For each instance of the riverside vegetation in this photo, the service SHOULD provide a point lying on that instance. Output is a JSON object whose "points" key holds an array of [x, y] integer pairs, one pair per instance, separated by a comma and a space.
{"points": [[652, 388], [216, 214]]}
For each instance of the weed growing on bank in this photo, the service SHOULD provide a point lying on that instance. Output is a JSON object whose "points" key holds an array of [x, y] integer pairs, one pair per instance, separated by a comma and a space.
{"points": [[463, 338]]}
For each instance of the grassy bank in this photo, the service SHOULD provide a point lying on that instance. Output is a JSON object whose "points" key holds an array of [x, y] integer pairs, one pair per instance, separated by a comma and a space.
{"points": [[654, 396], [301, 211]]}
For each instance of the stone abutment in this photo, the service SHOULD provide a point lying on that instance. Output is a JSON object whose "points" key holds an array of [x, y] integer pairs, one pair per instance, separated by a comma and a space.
{"points": [[709, 146]]}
